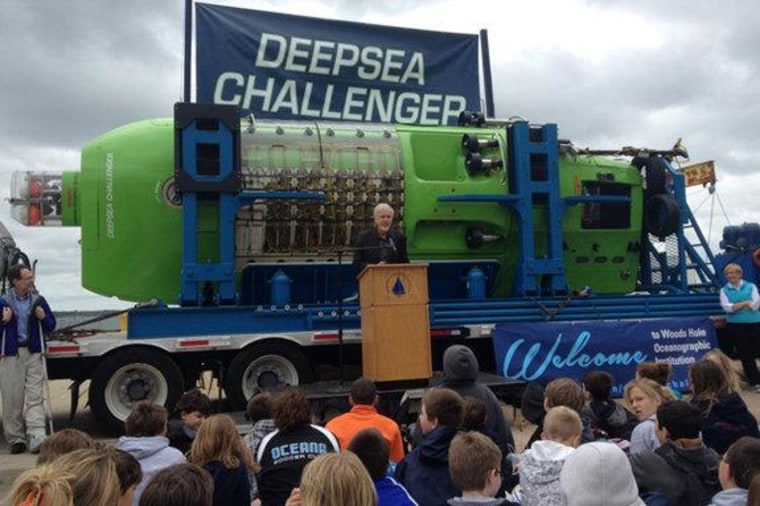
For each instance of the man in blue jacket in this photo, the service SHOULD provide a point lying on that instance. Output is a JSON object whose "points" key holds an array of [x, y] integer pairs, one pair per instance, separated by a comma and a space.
{"points": [[26, 316]]}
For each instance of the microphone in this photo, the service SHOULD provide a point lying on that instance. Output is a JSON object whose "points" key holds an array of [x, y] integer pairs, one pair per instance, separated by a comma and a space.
{"points": [[393, 244]]}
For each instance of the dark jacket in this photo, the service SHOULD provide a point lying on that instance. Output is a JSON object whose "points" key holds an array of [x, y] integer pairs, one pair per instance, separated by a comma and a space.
{"points": [[460, 373], [425, 471], [726, 421], [9, 331], [392, 493], [688, 477], [231, 486], [283, 456], [180, 435], [370, 251], [611, 418]]}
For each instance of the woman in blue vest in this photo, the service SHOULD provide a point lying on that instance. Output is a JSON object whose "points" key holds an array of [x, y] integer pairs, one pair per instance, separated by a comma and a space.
{"points": [[740, 301]]}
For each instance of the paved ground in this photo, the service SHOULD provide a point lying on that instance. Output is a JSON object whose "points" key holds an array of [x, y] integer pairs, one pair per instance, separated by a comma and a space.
{"points": [[13, 465]]}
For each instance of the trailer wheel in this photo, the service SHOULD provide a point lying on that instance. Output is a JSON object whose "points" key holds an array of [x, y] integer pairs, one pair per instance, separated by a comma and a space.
{"points": [[265, 365], [129, 376], [662, 216]]}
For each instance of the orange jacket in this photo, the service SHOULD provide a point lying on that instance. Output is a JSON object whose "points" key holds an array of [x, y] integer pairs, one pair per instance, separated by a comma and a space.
{"points": [[362, 417]]}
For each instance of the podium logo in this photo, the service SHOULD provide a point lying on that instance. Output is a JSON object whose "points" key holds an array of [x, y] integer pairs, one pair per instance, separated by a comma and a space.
{"points": [[398, 288], [398, 285]]}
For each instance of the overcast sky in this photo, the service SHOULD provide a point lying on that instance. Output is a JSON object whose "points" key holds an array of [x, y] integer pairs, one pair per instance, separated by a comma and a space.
{"points": [[609, 73]]}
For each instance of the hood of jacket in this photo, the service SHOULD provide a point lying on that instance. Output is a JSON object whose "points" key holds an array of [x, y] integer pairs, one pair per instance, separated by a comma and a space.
{"points": [[142, 447], [611, 413], [434, 448], [701, 462], [599, 474], [459, 365], [730, 497], [543, 462]]}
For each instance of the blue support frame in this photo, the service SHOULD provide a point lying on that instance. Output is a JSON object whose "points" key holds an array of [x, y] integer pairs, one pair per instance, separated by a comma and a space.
{"points": [[535, 165], [195, 272], [534, 172], [235, 320]]}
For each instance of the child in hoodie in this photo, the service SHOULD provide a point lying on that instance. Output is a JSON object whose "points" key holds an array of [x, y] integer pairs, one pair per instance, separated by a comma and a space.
{"points": [[146, 441], [606, 415], [736, 470], [682, 468], [540, 466], [599, 474]]}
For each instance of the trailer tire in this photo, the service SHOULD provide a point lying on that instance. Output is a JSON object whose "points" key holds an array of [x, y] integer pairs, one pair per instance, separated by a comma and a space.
{"points": [[662, 216], [265, 365], [656, 176], [129, 376]]}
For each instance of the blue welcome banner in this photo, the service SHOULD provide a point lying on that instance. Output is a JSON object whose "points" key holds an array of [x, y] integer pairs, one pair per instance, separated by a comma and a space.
{"points": [[296, 67], [548, 350]]}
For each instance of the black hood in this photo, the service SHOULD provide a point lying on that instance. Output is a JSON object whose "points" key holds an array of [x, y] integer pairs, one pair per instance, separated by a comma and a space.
{"points": [[459, 364]]}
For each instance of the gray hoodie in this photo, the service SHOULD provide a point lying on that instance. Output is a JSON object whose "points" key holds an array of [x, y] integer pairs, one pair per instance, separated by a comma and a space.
{"points": [[460, 373], [598, 474], [730, 497], [153, 454], [540, 467], [644, 436]]}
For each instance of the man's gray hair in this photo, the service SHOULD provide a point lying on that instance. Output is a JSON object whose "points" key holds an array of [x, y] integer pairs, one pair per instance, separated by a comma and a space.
{"points": [[382, 206]]}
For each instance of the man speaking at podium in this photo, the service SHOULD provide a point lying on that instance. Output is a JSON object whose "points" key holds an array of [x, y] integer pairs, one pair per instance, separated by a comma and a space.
{"points": [[380, 245]]}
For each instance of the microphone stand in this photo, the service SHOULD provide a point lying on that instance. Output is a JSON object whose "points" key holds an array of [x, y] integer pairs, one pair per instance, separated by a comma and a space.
{"points": [[340, 317]]}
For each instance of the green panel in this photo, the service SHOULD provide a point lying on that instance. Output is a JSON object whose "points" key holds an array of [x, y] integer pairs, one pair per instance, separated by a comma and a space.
{"points": [[606, 259], [435, 166], [131, 232]]}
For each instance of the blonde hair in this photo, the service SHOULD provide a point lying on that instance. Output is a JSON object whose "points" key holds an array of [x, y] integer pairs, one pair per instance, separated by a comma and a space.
{"points": [[93, 477], [735, 383], [337, 479], [218, 440], [650, 388], [41, 486], [562, 423]]}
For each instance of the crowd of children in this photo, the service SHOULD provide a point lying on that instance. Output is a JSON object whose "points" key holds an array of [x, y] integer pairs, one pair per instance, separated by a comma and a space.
{"points": [[655, 448]]}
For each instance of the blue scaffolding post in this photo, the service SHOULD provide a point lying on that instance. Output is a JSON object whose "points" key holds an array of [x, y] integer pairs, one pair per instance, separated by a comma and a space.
{"points": [[534, 179], [207, 172]]}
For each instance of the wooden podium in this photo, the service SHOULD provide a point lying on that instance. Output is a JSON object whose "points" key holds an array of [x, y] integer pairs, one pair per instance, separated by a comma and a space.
{"points": [[395, 322]]}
